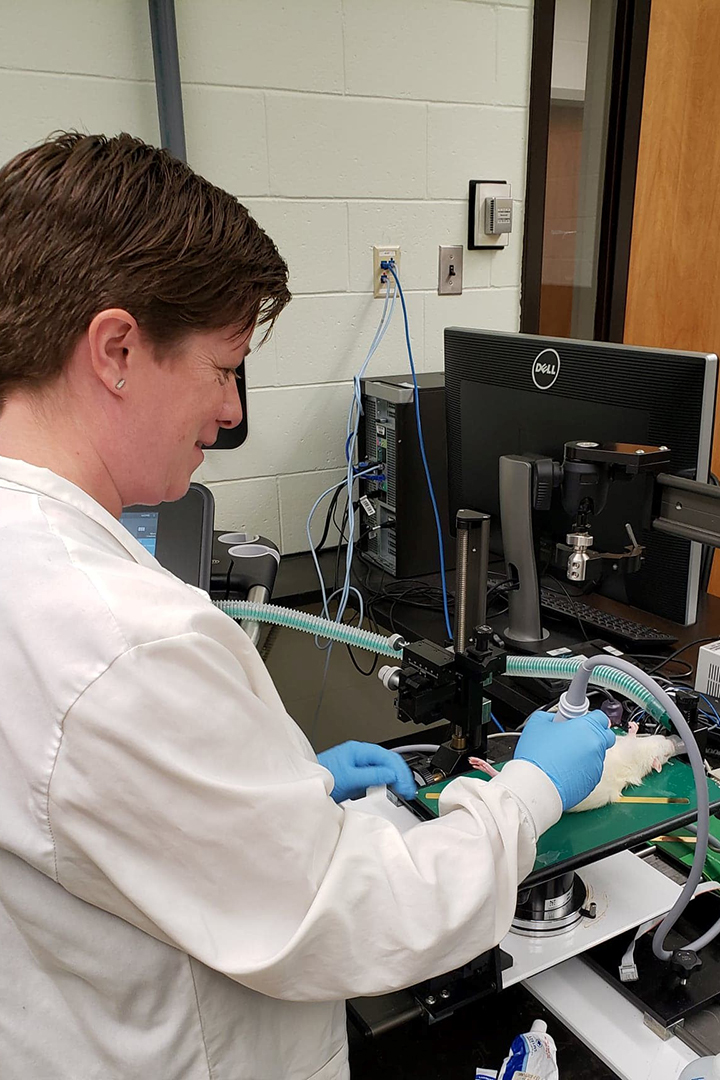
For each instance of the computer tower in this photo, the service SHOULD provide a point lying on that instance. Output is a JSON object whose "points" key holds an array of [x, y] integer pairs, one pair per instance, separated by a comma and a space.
{"points": [[406, 543]]}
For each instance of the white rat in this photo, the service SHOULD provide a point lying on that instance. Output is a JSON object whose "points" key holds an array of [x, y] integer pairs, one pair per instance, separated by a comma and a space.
{"points": [[626, 763]]}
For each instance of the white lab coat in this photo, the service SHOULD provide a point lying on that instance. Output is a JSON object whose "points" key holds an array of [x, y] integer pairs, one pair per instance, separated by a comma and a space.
{"points": [[180, 899]]}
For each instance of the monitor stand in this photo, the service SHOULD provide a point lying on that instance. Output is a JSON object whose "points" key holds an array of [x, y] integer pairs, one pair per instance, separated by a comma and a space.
{"points": [[524, 630]]}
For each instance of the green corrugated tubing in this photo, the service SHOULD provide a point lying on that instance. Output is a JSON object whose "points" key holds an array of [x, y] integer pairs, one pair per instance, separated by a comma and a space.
{"points": [[312, 624], [559, 667], [532, 667]]}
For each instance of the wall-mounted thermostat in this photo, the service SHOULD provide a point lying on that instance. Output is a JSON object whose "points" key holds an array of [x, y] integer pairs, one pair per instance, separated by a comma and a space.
{"points": [[490, 216]]}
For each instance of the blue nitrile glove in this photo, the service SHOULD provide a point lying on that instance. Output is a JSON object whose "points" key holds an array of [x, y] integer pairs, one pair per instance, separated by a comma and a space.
{"points": [[570, 752], [357, 766]]}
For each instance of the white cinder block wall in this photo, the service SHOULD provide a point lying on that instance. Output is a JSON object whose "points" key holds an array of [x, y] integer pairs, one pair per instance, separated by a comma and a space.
{"points": [[340, 124]]}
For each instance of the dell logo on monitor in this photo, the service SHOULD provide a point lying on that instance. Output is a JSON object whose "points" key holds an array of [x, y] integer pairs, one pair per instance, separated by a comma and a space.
{"points": [[545, 369]]}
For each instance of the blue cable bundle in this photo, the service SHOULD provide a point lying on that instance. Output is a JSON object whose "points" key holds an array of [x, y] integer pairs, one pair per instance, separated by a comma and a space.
{"points": [[390, 266], [354, 473]]}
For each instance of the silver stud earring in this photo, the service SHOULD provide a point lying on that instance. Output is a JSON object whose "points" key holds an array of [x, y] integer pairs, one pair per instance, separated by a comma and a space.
{"points": [[119, 385]]}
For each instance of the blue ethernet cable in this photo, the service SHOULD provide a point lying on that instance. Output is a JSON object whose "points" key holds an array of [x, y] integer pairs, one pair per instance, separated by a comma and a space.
{"points": [[710, 706], [390, 265]]}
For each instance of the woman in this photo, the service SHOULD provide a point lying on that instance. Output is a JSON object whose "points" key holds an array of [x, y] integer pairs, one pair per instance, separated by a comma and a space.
{"points": [[180, 895]]}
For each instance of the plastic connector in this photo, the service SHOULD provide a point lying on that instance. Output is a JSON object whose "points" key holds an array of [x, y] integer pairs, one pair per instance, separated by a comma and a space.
{"points": [[628, 973], [566, 710]]}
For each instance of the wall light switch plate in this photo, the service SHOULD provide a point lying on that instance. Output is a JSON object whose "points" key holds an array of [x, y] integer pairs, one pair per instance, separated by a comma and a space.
{"points": [[480, 190], [450, 268]]}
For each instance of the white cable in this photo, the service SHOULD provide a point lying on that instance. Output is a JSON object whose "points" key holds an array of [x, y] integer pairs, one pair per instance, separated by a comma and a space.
{"points": [[356, 403], [318, 571], [628, 967], [353, 423], [361, 605], [350, 444]]}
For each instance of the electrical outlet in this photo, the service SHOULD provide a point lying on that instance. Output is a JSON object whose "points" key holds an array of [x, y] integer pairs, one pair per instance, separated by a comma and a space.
{"points": [[380, 254]]}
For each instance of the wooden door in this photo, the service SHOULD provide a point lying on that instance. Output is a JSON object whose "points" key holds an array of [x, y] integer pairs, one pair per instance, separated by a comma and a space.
{"points": [[674, 281]]}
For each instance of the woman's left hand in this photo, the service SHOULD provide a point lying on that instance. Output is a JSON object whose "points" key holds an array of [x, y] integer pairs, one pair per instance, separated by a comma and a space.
{"points": [[356, 766]]}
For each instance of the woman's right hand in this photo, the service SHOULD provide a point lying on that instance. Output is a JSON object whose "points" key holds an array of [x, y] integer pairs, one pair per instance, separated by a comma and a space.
{"points": [[570, 752]]}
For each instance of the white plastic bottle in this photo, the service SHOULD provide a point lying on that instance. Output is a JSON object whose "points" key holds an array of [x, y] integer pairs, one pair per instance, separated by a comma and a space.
{"points": [[532, 1055], [707, 1068]]}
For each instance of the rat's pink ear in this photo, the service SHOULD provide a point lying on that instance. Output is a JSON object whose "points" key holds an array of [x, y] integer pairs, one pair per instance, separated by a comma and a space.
{"points": [[657, 765]]}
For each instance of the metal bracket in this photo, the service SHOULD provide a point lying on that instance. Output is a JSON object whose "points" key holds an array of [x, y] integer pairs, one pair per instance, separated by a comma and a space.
{"points": [[471, 577], [657, 1028], [688, 509], [632, 458]]}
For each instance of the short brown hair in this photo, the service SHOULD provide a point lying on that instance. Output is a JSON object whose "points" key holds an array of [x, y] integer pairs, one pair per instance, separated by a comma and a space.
{"points": [[89, 222]]}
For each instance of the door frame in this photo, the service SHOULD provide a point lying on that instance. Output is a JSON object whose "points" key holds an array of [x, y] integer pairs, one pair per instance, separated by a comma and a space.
{"points": [[632, 26]]}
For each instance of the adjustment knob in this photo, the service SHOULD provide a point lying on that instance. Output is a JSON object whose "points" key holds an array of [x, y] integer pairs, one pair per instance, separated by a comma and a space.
{"points": [[684, 962], [389, 676]]}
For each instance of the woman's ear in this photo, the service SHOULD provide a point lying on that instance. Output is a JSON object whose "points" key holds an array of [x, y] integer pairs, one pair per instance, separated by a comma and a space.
{"points": [[114, 341]]}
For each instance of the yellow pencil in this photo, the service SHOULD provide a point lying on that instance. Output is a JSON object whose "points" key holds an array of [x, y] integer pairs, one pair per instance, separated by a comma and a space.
{"points": [[623, 798], [652, 799], [674, 840]]}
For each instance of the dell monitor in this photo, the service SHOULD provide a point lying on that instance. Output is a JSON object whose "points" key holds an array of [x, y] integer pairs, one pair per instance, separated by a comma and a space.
{"points": [[520, 393]]}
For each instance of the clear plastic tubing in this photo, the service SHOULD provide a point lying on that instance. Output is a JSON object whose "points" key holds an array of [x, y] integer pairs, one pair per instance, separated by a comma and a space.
{"points": [[313, 624], [558, 667]]}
